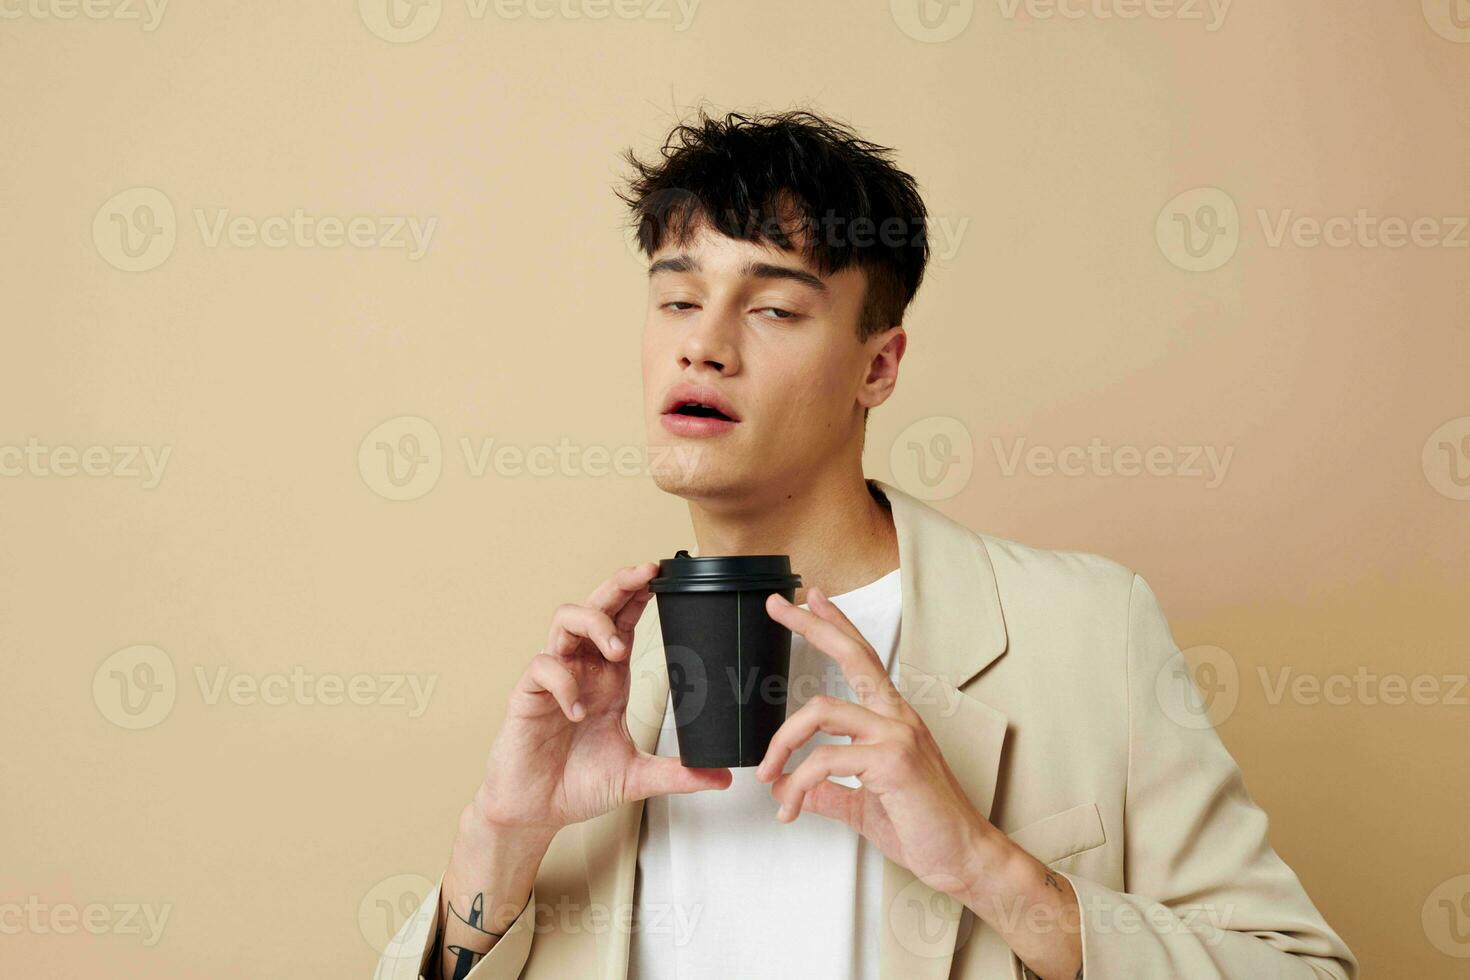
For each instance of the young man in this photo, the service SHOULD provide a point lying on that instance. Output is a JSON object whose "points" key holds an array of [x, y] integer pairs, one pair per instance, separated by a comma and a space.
{"points": [[996, 789]]}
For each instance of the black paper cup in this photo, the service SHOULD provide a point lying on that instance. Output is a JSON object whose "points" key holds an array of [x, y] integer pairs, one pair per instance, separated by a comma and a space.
{"points": [[728, 659]]}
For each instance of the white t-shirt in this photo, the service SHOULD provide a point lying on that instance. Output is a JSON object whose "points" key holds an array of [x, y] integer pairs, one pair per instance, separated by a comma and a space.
{"points": [[723, 890]]}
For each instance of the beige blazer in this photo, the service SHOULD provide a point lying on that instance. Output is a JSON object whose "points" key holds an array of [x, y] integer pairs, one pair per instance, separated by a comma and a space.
{"points": [[1039, 674]]}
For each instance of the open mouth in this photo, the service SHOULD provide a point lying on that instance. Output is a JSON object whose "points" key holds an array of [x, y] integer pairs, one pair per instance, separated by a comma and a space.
{"points": [[699, 410]]}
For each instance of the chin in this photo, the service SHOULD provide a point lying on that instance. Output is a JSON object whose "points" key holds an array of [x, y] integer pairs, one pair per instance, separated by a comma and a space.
{"points": [[693, 471]]}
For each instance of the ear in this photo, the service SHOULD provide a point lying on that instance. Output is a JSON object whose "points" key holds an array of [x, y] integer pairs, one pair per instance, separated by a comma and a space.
{"points": [[885, 350]]}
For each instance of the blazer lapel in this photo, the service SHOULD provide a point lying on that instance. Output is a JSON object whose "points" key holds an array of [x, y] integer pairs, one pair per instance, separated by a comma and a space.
{"points": [[951, 630], [610, 842]]}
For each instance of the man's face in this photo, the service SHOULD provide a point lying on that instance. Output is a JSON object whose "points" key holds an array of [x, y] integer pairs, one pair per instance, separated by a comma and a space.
{"points": [[770, 347]]}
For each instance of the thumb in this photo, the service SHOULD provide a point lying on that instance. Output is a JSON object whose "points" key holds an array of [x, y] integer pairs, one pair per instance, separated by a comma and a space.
{"points": [[659, 775]]}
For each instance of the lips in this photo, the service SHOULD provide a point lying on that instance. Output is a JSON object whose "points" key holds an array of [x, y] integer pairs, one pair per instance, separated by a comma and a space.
{"points": [[697, 411], [700, 402]]}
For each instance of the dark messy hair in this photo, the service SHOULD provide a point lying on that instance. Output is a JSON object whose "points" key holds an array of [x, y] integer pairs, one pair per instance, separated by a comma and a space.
{"points": [[795, 180]]}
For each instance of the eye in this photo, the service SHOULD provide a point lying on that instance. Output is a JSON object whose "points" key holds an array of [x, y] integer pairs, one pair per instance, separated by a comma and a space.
{"points": [[776, 313], [677, 306]]}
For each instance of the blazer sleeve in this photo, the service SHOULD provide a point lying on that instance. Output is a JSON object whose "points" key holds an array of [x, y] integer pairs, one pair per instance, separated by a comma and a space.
{"points": [[1206, 895], [407, 954]]}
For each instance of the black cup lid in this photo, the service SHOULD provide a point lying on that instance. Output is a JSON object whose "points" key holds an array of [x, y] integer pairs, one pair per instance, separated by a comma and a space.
{"points": [[724, 573]]}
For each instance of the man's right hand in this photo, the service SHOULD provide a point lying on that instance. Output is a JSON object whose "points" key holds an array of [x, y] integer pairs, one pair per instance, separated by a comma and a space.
{"points": [[563, 755]]}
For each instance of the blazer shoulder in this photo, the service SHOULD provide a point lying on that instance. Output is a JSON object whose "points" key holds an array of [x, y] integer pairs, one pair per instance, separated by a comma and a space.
{"points": [[1061, 577]]}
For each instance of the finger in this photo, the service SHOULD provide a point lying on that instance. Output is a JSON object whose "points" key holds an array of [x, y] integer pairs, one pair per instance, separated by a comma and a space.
{"points": [[825, 608], [547, 675], [658, 775], [822, 714], [624, 586], [836, 802], [825, 761], [570, 625], [860, 665]]}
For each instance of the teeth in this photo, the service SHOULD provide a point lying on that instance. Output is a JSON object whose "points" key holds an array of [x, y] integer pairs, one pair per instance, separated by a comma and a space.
{"points": [[701, 410]]}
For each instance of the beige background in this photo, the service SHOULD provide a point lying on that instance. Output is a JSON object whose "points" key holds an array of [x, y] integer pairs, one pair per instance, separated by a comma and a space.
{"points": [[281, 837]]}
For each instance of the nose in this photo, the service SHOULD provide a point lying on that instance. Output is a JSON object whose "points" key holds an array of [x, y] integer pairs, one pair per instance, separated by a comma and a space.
{"points": [[711, 341]]}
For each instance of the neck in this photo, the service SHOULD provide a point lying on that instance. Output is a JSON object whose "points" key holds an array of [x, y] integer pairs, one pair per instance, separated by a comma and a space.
{"points": [[838, 536]]}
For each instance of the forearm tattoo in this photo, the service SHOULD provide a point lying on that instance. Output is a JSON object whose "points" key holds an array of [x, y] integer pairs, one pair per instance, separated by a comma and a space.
{"points": [[465, 959]]}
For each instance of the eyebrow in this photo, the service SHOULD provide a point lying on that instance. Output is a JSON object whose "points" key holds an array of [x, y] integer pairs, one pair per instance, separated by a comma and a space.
{"points": [[756, 270]]}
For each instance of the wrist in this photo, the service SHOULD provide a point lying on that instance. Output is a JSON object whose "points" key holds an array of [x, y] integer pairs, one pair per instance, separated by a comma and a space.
{"points": [[994, 866], [482, 830]]}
